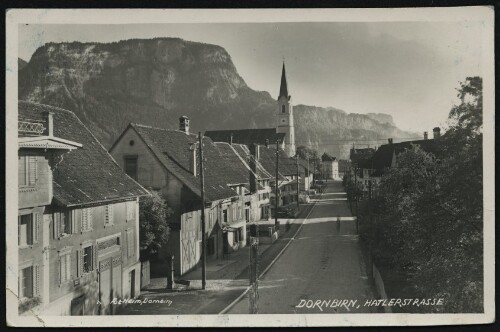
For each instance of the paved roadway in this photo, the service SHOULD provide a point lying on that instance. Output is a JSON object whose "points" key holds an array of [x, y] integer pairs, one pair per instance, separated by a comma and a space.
{"points": [[323, 264]]}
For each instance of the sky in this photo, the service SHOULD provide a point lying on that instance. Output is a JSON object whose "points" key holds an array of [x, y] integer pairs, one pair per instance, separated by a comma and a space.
{"points": [[409, 70]]}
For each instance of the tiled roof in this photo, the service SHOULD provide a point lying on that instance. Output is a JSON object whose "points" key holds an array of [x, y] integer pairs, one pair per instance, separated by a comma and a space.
{"points": [[246, 136], [244, 152], [383, 156], [268, 161], [88, 174], [172, 149], [327, 157]]}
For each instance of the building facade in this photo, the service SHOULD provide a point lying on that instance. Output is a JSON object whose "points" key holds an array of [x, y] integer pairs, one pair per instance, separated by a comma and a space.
{"points": [[78, 223], [329, 167]]}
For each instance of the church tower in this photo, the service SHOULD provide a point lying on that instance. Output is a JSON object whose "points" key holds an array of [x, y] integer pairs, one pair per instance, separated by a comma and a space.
{"points": [[285, 116]]}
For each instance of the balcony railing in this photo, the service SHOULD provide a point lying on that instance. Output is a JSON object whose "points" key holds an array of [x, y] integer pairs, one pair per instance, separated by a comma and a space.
{"points": [[30, 127]]}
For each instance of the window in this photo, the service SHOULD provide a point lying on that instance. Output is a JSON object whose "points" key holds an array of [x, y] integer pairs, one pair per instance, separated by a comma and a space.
{"points": [[27, 171], [131, 166], [65, 267], [224, 215], [26, 283], [283, 110], [25, 235], [130, 243], [86, 219], [64, 223], [130, 207], [108, 219], [87, 259]]}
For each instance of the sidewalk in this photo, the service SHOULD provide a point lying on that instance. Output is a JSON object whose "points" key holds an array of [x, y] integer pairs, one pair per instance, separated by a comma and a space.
{"points": [[226, 280]]}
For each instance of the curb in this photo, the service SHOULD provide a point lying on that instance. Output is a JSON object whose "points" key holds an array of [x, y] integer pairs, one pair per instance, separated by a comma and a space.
{"points": [[238, 299]]}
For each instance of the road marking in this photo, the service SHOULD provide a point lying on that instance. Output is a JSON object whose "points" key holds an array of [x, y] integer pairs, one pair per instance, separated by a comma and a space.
{"points": [[238, 299]]}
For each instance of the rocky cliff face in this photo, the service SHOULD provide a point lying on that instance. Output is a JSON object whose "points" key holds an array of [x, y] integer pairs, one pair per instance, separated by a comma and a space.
{"points": [[155, 81]]}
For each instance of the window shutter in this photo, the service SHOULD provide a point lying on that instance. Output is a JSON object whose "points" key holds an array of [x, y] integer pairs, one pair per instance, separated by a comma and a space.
{"points": [[109, 214], [56, 220], [68, 266], [36, 280], [36, 227], [130, 243], [79, 257], [73, 221], [90, 213], [60, 269], [32, 170], [94, 257]]}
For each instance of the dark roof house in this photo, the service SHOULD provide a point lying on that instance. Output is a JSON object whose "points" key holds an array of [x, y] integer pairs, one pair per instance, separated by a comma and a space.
{"points": [[327, 157], [246, 136], [85, 175]]}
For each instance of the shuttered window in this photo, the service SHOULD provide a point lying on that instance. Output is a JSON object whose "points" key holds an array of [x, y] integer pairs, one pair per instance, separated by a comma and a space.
{"points": [[86, 220], [130, 243], [28, 229], [27, 171], [65, 267], [87, 259], [29, 281], [108, 220]]}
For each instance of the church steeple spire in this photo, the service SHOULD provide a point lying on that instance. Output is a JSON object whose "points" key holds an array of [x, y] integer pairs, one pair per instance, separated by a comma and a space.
{"points": [[284, 84]]}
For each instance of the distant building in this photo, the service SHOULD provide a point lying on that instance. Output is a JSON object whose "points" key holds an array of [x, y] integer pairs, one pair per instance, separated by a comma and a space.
{"points": [[284, 131], [78, 214], [370, 170], [329, 167]]}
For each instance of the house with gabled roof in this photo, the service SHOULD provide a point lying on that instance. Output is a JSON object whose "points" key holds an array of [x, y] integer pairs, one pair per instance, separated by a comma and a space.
{"points": [[168, 161], [329, 167], [78, 220], [370, 170]]}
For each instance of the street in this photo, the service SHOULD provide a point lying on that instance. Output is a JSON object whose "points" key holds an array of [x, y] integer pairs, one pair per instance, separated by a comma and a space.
{"points": [[322, 271]]}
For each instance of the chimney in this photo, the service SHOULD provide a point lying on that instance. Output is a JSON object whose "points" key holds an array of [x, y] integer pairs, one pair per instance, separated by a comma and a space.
{"points": [[390, 140], [437, 132], [231, 139], [425, 135], [184, 124], [192, 158], [267, 143], [254, 159], [50, 123]]}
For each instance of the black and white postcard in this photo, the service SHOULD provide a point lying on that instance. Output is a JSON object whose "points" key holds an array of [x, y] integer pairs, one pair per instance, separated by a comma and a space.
{"points": [[265, 167]]}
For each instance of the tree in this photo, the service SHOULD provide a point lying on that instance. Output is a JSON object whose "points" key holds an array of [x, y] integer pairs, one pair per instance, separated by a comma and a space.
{"points": [[153, 223], [428, 220]]}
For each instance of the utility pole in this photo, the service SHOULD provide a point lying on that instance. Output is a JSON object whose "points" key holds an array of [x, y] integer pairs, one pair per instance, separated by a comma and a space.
{"points": [[276, 222], [203, 235], [254, 269], [356, 191], [298, 185]]}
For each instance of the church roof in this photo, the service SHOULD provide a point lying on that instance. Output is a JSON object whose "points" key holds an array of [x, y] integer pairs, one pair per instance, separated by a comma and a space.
{"points": [[284, 84], [246, 136]]}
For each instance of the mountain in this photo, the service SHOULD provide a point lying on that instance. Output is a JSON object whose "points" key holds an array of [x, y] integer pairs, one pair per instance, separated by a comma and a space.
{"points": [[21, 63], [155, 81]]}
